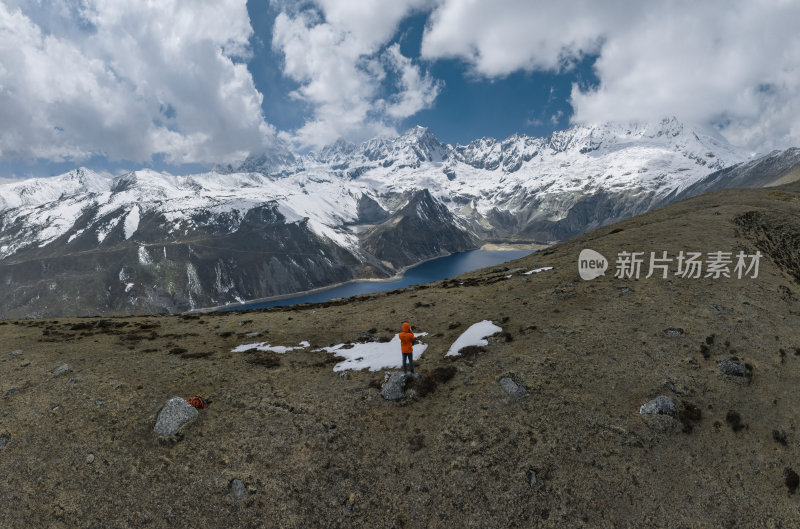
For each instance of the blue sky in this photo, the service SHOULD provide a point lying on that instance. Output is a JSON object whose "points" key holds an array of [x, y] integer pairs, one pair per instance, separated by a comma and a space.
{"points": [[469, 106], [181, 85]]}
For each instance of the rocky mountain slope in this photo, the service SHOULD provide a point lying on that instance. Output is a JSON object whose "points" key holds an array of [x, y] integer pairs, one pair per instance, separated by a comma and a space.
{"points": [[279, 223], [776, 168], [541, 427]]}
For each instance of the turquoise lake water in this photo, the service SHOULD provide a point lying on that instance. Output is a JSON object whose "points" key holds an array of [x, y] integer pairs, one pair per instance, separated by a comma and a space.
{"points": [[434, 270]]}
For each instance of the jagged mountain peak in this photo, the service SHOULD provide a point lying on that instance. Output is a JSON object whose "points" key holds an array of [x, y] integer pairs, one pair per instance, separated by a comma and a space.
{"points": [[335, 152], [35, 191], [274, 159], [142, 180], [418, 134]]}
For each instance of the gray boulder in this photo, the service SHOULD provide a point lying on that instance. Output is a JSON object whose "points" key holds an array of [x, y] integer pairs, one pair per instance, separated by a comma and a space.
{"points": [[394, 385], [513, 389], [238, 489], [661, 405], [60, 370], [735, 369], [16, 352], [175, 413]]}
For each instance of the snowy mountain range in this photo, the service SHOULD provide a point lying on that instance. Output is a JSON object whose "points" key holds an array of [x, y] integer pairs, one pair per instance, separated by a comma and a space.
{"points": [[280, 222]]}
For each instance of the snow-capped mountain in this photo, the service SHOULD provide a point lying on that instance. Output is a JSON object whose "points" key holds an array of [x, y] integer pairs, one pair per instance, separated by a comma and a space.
{"points": [[281, 222]]}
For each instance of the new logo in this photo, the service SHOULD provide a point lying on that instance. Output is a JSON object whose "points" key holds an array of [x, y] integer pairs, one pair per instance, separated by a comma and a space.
{"points": [[591, 264]]}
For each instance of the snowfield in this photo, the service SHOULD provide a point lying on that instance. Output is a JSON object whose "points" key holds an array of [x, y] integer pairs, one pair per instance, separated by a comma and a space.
{"points": [[474, 335], [264, 346], [374, 356]]}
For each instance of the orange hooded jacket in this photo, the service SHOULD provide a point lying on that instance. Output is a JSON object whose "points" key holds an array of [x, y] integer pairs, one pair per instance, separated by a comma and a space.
{"points": [[406, 339]]}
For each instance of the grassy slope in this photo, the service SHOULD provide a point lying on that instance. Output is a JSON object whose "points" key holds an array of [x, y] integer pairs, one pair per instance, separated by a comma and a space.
{"points": [[304, 439]]}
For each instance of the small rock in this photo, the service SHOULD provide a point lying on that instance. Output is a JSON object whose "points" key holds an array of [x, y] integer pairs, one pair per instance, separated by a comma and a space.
{"points": [[734, 420], [351, 501], [11, 391], [661, 405], [60, 370], [624, 290], [779, 436], [90, 459], [791, 479], [3, 442], [674, 331], [717, 308], [500, 269], [224, 334], [735, 369], [16, 352], [513, 389], [532, 479], [393, 387], [238, 489], [175, 413]]}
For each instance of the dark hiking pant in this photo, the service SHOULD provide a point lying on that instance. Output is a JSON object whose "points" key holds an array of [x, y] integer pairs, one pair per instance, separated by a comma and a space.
{"points": [[410, 361]]}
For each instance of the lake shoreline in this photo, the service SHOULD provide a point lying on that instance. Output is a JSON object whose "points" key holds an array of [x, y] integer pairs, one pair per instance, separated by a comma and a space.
{"points": [[248, 305], [398, 276]]}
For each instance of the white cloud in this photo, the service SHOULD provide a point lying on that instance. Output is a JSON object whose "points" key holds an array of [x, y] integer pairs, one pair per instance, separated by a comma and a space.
{"points": [[499, 37], [735, 66], [336, 55], [417, 90], [731, 64], [127, 80]]}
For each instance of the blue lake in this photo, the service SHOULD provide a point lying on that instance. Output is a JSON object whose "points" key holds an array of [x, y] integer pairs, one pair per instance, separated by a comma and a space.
{"points": [[434, 270]]}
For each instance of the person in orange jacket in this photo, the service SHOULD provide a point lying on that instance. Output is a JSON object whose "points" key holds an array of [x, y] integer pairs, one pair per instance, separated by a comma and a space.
{"points": [[407, 347]]}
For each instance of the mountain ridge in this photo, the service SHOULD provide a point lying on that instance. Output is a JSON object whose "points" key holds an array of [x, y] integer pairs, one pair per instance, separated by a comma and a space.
{"points": [[517, 189]]}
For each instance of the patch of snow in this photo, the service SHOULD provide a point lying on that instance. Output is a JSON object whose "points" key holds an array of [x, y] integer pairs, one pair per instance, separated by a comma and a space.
{"points": [[74, 235], [373, 355], [128, 287], [193, 279], [103, 231], [144, 257], [537, 270], [264, 346], [132, 222], [474, 336], [289, 214]]}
